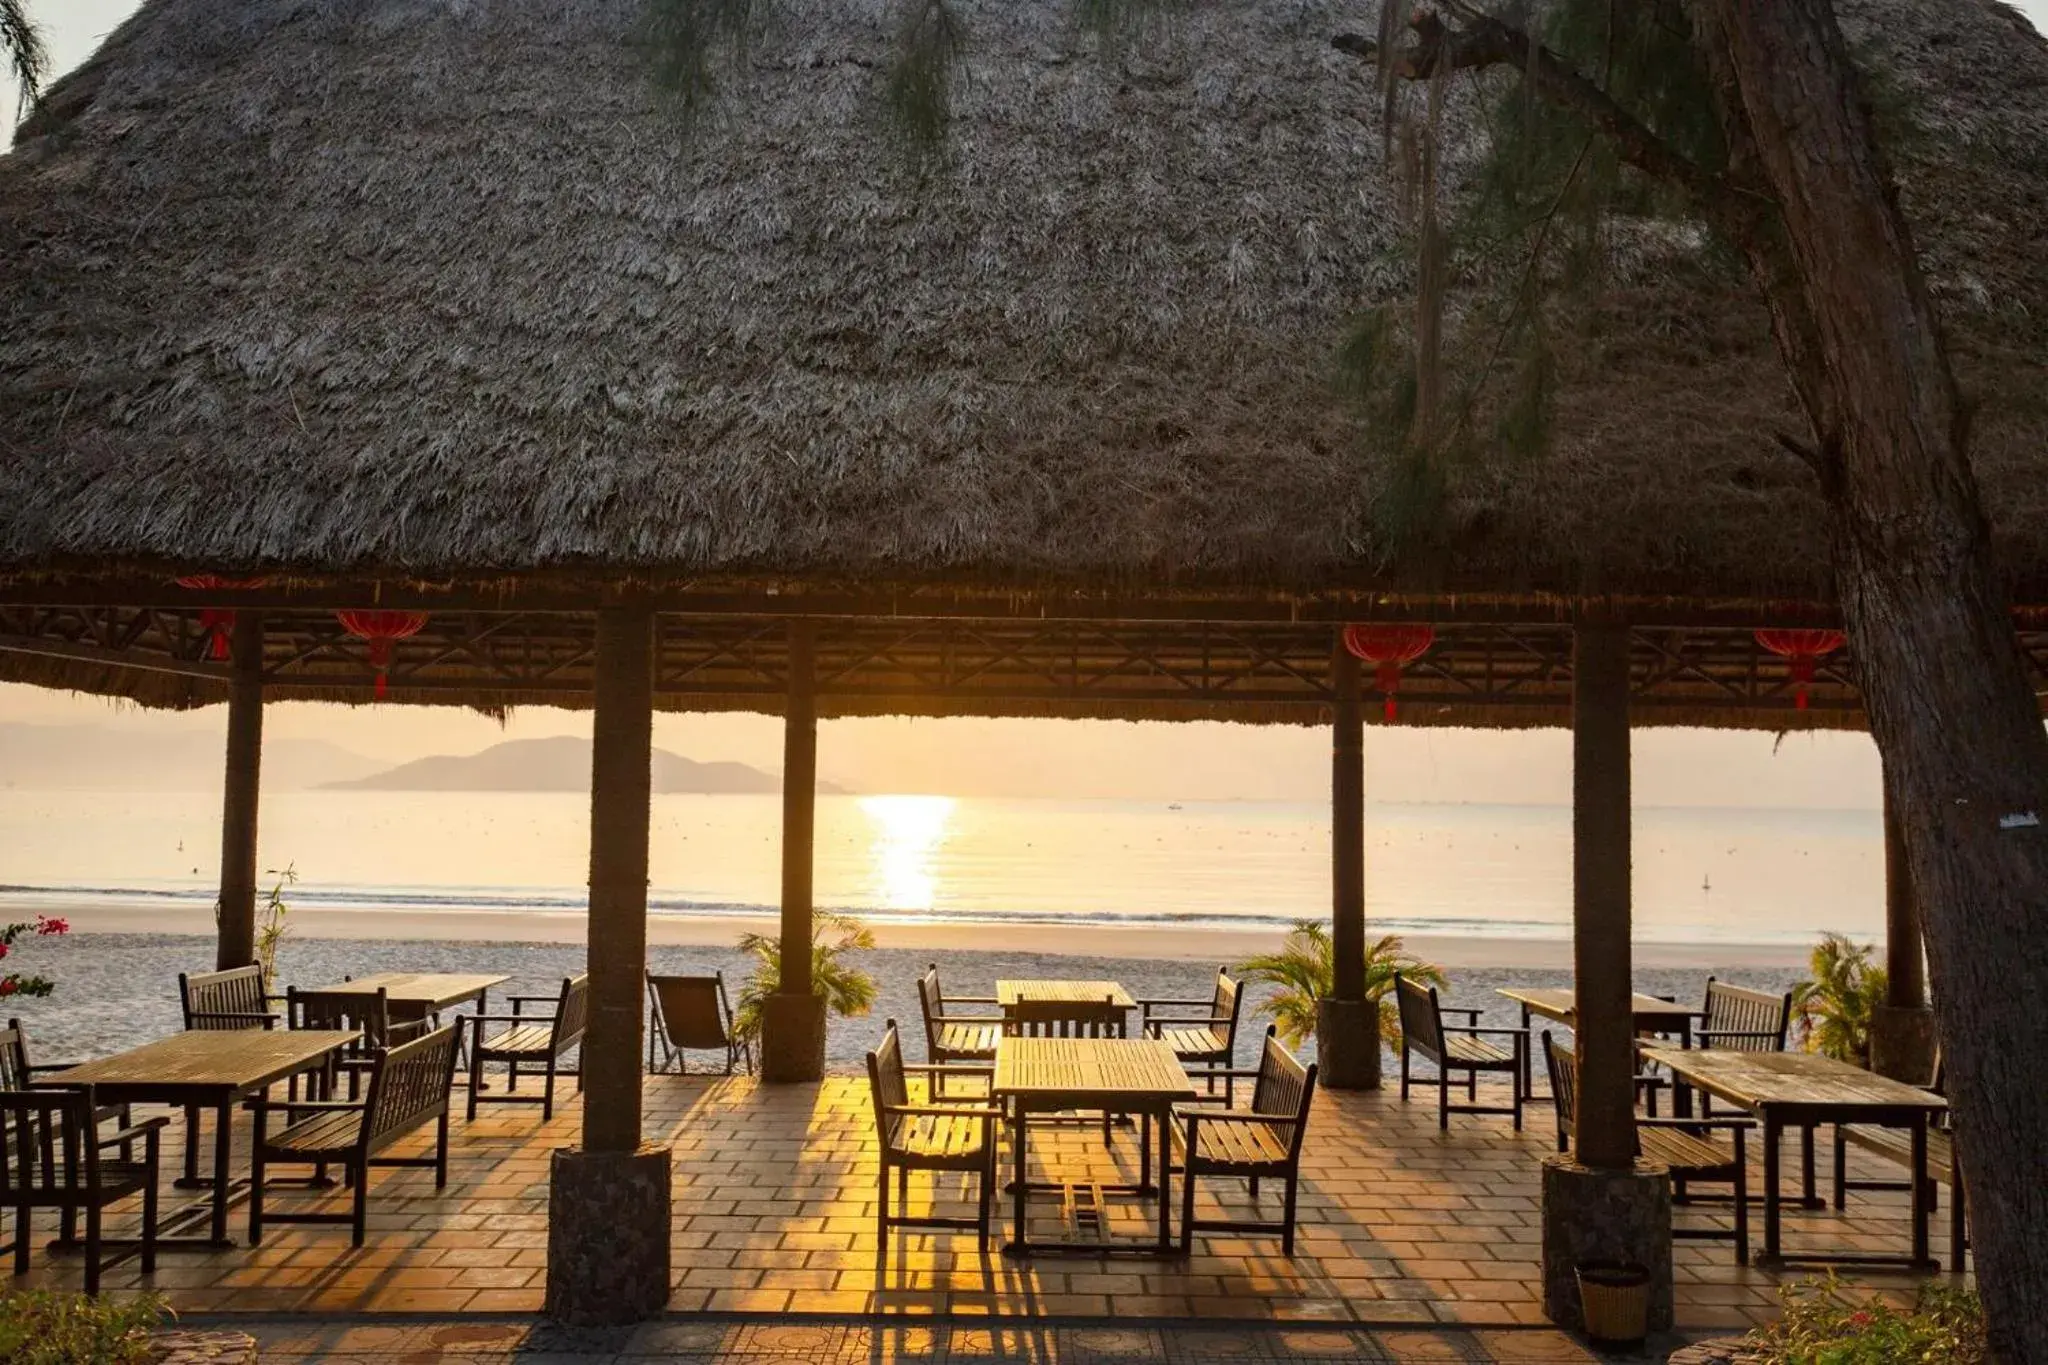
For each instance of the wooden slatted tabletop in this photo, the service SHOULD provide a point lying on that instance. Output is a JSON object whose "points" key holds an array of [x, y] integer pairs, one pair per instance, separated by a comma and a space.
{"points": [[1561, 1005], [205, 1062], [1755, 1080], [1090, 1073], [1009, 993], [431, 991]]}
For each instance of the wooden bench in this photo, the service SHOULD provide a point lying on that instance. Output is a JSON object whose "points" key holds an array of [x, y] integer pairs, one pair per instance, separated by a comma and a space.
{"points": [[1683, 1145], [531, 1041], [930, 1137], [408, 1088], [233, 999], [50, 1145], [1455, 1049], [1261, 1143], [1895, 1145], [1209, 1039]]}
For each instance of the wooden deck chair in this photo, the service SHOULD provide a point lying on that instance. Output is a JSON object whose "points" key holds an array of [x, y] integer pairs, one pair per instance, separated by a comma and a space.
{"points": [[1209, 1039], [686, 1013], [1263, 1143], [930, 1137], [1457, 1048], [1683, 1145], [409, 1088]]}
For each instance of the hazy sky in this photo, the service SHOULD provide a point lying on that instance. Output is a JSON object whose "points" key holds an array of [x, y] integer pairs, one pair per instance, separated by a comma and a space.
{"points": [[962, 757]]}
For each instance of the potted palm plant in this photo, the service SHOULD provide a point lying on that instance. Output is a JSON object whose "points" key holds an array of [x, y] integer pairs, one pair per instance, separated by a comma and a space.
{"points": [[845, 988], [1304, 970], [1835, 1008]]}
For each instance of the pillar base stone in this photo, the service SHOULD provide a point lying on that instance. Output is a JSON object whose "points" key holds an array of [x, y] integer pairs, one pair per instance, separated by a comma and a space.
{"points": [[792, 1038], [1593, 1215], [608, 1236], [1348, 1044], [1902, 1043]]}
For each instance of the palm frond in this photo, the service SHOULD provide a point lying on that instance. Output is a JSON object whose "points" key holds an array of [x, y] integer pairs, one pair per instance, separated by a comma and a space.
{"points": [[21, 45], [847, 990], [1304, 970]]}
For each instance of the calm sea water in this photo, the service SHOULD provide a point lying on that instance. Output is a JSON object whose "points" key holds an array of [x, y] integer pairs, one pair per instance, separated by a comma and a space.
{"points": [[1701, 875]]}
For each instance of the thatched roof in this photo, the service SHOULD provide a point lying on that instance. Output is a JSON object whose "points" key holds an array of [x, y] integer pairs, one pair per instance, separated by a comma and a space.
{"points": [[433, 290]]}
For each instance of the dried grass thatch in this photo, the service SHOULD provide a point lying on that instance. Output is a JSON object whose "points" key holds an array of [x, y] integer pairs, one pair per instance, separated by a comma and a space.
{"points": [[434, 289]]}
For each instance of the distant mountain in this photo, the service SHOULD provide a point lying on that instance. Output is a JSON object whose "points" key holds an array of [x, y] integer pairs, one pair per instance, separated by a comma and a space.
{"points": [[560, 764], [104, 758]]}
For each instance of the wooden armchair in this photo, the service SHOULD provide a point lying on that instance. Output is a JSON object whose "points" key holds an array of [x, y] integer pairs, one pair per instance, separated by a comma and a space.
{"points": [[233, 999], [1684, 1145], [928, 1137], [1261, 1143], [367, 1013], [1208, 1039], [687, 1013], [951, 1038], [50, 1145], [18, 1071], [409, 1087], [531, 1041], [1460, 1048]]}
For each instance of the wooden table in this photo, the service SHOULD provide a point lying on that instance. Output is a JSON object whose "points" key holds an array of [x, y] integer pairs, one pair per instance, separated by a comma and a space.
{"points": [[1091, 1000], [1801, 1090], [415, 995], [1652, 1015], [206, 1069], [1114, 1075]]}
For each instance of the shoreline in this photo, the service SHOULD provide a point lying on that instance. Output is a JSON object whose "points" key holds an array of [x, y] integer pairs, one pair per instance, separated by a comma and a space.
{"points": [[1461, 951]]}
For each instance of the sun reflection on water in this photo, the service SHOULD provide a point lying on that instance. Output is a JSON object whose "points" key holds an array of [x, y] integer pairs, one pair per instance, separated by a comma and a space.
{"points": [[907, 834]]}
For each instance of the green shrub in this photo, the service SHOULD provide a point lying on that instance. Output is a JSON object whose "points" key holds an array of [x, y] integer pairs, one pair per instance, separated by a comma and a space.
{"points": [[49, 1327], [1823, 1326]]}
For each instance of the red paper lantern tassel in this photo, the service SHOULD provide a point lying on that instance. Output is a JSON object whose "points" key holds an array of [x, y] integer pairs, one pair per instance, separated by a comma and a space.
{"points": [[1803, 670], [1388, 678], [380, 659], [217, 624]]}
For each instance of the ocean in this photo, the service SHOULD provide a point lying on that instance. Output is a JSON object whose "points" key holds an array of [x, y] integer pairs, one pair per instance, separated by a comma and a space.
{"points": [[1702, 875]]}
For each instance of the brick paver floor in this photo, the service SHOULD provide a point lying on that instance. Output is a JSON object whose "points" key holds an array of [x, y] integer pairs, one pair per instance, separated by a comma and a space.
{"points": [[774, 1209]]}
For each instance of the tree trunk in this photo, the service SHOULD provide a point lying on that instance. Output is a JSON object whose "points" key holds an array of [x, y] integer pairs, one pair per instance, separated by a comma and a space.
{"points": [[1949, 700]]}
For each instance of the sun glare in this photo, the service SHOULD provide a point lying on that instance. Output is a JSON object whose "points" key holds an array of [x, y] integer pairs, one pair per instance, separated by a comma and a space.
{"points": [[907, 833]]}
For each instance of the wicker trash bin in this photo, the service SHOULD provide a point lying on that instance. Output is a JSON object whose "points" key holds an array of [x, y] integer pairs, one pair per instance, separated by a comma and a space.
{"points": [[1614, 1301]]}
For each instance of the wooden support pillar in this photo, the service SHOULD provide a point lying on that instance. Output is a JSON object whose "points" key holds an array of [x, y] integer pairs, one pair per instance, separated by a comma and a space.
{"points": [[1347, 1025], [621, 755], [237, 933], [1600, 1203], [793, 1019], [609, 1201], [1902, 1033], [1602, 955]]}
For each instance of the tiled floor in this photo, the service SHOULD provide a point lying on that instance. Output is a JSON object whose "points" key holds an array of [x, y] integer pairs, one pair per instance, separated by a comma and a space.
{"points": [[775, 1198]]}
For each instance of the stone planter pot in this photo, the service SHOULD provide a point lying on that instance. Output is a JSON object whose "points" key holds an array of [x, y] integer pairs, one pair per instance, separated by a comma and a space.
{"points": [[1614, 1301], [202, 1348]]}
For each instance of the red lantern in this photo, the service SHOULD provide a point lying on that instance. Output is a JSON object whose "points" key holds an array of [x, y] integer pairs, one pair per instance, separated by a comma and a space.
{"points": [[1388, 647], [383, 629], [217, 624], [1803, 650]]}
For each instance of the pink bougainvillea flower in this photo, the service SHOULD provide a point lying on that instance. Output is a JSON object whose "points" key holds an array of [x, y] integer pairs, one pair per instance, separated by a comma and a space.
{"points": [[9, 984], [51, 924]]}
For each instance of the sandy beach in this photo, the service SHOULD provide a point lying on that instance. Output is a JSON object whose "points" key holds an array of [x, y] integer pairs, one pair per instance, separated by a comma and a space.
{"points": [[116, 973]]}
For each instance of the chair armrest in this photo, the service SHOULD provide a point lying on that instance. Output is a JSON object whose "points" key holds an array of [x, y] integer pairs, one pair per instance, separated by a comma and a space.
{"points": [[967, 1019], [950, 1069], [1236, 1116], [1189, 1019], [972, 1000], [942, 1111], [309, 1106], [133, 1131], [1465, 1010], [508, 1018], [1459, 1028], [1149, 1005]]}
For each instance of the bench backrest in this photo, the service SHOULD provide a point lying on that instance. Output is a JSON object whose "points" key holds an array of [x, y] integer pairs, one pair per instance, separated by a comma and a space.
{"points": [[692, 1011], [931, 1002], [572, 1012], [887, 1087], [1563, 1065], [409, 1086], [1065, 1019], [1421, 1017], [1227, 1002], [1738, 1009], [369, 1013], [1284, 1087], [48, 1145], [14, 1072], [232, 999]]}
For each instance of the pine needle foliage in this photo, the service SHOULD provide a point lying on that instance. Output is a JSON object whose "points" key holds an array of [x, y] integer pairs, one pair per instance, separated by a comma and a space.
{"points": [[692, 45], [22, 49]]}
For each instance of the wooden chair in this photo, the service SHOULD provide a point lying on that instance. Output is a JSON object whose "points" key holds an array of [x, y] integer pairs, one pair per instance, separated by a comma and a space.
{"points": [[1262, 1143], [1680, 1144], [50, 1145], [1740, 1020], [1209, 1039], [930, 1137], [1896, 1146], [1068, 1019], [369, 1014], [409, 1086], [530, 1041], [18, 1071], [1455, 1049], [233, 999], [691, 1012], [954, 1038]]}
